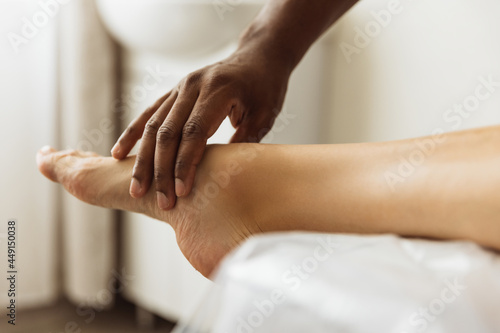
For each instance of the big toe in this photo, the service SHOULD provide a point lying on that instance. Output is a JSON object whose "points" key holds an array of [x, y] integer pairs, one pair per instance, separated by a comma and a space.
{"points": [[55, 164], [46, 162]]}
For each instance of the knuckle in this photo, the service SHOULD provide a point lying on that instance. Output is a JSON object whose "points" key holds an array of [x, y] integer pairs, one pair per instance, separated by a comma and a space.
{"points": [[177, 89], [219, 80], [192, 79], [181, 165], [152, 127], [194, 129], [167, 132]]}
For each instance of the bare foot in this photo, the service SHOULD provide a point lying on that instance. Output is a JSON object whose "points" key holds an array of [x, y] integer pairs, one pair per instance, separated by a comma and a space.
{"points": [[208, 223]]}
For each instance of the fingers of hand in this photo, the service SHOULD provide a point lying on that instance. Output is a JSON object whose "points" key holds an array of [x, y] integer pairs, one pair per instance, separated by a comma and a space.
{"points": [[142, 174], [134, 131], [253, 129], [167, 143], [208, 113]]}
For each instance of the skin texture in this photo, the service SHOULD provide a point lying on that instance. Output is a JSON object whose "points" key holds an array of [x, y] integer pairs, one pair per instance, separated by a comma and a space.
{"points": [[249, 87], [244, 189]]}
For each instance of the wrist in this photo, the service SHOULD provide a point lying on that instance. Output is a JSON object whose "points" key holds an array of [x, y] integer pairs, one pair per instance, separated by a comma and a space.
{"points": [[259, 44]]}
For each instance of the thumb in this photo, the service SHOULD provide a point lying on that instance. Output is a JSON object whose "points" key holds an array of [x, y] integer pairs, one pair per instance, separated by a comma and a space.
{"points": [[250, 131]]}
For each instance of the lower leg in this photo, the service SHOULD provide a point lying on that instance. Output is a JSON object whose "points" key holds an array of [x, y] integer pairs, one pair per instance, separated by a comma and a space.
{"points": [[244, 189], [443, 187]]}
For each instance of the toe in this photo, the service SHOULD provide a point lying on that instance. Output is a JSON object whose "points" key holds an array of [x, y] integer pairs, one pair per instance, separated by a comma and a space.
{"points": [[47, 150], [71, 168], [46, 162], [55, 164]]}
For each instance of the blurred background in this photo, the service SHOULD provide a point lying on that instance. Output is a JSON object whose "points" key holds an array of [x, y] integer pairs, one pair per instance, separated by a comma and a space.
{"points": [[74, 73]]}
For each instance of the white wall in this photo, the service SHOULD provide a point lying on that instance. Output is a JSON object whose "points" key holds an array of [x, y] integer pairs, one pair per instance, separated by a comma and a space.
{"points": [[426, 60], [27, 106]]}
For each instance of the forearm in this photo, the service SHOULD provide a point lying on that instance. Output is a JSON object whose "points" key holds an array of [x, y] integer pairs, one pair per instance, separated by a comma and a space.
{"points": [[285, 29], [449, 191]]}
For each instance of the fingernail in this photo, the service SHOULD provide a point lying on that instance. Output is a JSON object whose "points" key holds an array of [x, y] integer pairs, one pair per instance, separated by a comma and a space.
{"points": [[135, 187], [180, 188], [162, 200], [115, 149]]}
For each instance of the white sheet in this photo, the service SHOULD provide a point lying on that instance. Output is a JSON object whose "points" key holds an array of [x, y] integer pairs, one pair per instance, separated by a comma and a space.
{"points": [[302, 282]]}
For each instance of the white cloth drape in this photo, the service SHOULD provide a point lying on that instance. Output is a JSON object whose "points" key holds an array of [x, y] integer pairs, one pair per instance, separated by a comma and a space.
{"points": [[321, 283]]}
